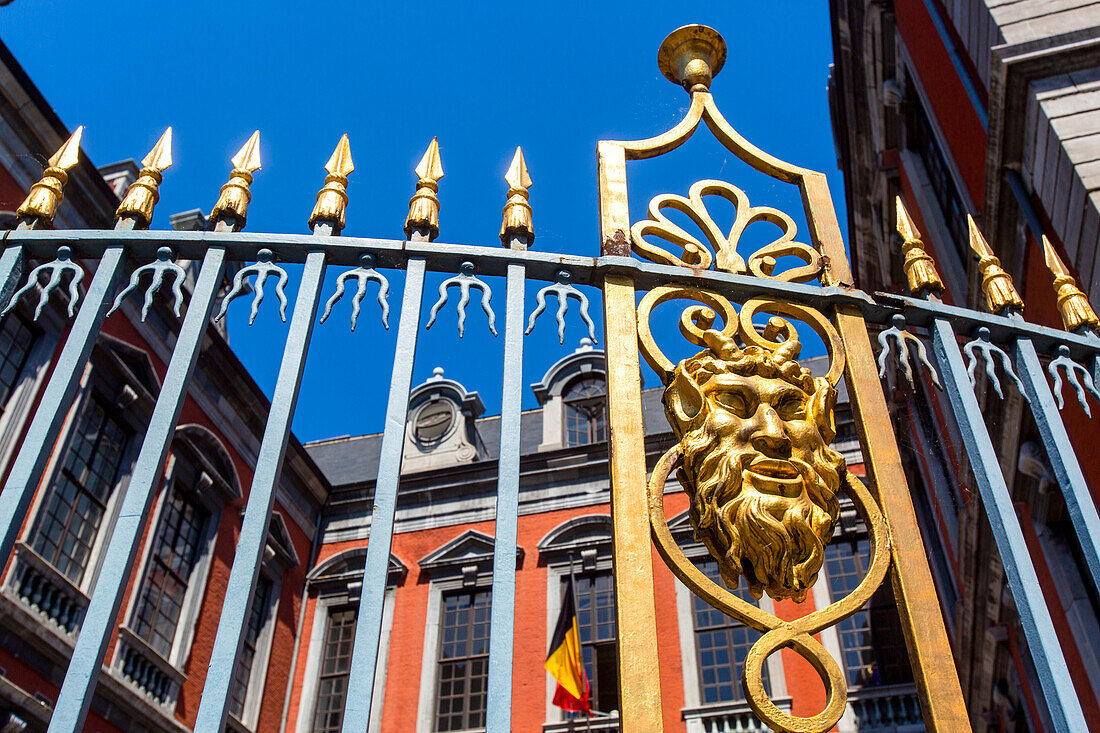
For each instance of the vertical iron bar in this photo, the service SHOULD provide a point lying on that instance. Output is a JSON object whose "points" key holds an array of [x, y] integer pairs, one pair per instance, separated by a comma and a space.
{"points": [[1063, 459], [11, 271], [214, 706], [1042, 642], [39, 441], [368, 629], [502, 628], [99, 620]]}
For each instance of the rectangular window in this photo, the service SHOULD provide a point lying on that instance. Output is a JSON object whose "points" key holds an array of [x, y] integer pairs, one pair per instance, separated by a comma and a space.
{"points": [[332, 691], [722, 645], [78, 498], [585, 418], [175, 551], [873, 647], [463, 661], [923, 141], [595, 604], [17, 338], [257, 616]]}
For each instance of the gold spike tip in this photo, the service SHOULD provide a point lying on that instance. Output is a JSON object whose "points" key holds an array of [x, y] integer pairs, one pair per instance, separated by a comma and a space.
{"points": [[1000, 293], [332, 199], [424, 204], [235, 194], [142, 195], [692, 56], [1073, 304], [45, 195], [517, 211], [919, 267]]}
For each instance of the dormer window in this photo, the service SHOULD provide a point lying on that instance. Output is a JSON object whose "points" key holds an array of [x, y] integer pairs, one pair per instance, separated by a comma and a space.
{"points": [[433, 421], [585, 415]]}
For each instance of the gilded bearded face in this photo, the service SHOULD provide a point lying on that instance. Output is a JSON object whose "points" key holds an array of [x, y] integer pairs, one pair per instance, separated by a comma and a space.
{"points": [[754, 428]]}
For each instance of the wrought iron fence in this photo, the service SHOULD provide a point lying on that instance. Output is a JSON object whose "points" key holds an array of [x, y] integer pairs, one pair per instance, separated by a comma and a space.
{"points": [[817, 292]]}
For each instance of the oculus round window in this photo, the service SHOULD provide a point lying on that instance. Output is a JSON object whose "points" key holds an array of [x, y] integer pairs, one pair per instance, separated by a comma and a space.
{"points": [[433, 422]]}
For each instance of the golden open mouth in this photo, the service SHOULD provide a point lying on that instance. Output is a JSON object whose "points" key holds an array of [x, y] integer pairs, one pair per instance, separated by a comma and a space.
{"points": [[775, 476]]}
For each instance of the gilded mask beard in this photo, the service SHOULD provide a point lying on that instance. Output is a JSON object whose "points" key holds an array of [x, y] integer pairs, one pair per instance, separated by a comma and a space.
{"points": [[776, 542]]}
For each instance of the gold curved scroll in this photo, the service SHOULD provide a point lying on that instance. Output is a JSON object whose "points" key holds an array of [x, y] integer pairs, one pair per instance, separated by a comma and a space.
{"points": [[824, 231], [723, 247], [734, 323], [777, 633]]}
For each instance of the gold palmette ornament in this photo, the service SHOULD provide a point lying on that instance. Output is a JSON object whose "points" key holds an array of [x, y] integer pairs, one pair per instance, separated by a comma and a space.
{"points": [[517, 210], [1074, 306], [920, 269], [143, 194], [1000, 293], [332, 199], [45, 196], [424, 204], [235, 194]]}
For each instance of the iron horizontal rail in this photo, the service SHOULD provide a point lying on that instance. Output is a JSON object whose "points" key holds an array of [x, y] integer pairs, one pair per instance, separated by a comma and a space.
{"points": [[439, 257]]}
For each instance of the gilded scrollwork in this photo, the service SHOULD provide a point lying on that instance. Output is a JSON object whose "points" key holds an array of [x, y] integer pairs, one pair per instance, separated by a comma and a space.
{"points": [[753, 429], [720, 249]]}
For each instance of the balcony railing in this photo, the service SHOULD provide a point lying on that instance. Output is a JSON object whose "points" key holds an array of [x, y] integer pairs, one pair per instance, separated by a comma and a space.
{"points": [[893, 709], [47, 591], [733, 717], [147, 670]]}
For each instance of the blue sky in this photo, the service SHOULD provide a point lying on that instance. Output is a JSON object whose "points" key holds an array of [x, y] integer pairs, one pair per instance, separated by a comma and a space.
{"points": [[552, 77]]}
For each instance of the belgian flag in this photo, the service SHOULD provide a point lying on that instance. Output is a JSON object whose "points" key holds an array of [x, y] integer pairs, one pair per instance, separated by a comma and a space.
{"points": [[563, 661]]}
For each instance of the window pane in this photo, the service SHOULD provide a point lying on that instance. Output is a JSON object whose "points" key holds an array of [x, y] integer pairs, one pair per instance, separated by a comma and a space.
{"points": [[595, 604], [74, 508], [16, 341], [722, 645], [175, 551], [463, 661], [332, 690], [242, 674], [873, 647]]}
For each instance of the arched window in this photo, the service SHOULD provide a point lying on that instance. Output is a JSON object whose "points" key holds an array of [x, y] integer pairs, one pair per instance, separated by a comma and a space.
{"points": [[585, 420]]}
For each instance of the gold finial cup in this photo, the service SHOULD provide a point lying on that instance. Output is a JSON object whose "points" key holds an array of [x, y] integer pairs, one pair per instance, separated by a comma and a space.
{"points": [[143, 194], [517, 210], [692, 56], [1000, 293], [45, 196], [920, 268], [332, 199], [424, 205], [1074, 306], [236, 194]]}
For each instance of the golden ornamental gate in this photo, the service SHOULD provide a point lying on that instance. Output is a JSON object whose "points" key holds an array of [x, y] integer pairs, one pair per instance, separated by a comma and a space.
{"points": [[752, 425]]}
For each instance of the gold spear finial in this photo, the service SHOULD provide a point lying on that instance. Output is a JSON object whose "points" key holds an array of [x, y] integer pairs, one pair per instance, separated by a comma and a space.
{"points": [[920, 269], [45, 196], [332, 199], [424, 205], [236, 195], [692, 56], [517, 211], [1072, 303], [1000, 293], [143, 194]]}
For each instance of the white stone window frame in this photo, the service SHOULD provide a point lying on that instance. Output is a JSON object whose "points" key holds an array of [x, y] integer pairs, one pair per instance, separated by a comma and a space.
{"points": [[130, 403], [212, 493], [464, 563], [337, 592], [695, 711], [278, 559], [18, 409], [585, 362], [583, 544]]}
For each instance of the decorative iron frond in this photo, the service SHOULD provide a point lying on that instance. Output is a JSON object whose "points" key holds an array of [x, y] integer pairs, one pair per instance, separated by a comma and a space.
{"points": [[988, 351], [64, 263], [161, 267], [722, 252], [902, 337], [465, 280], [262, 270], [1072, 369], [564, 290], [363, 274]]}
